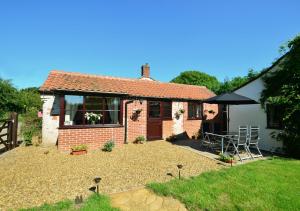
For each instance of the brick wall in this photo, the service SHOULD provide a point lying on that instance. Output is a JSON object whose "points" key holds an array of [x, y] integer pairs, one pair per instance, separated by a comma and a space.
{"points": [[136, 126], [94, 138]]}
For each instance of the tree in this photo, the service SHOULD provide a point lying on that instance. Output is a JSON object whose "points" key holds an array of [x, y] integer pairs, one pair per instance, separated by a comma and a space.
{"points": [[230, 85], [282, 88], [194, 77], [9, 98]]}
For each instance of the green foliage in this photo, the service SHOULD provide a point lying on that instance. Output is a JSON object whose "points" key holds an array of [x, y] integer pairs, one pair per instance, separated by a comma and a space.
{"points": [[282, 88], [95, 202], [211, 82], [230, 85], [140, 140], [253, 186], [108, 146], [225, 157], [79, 147], [9, 98], [198, 78]]}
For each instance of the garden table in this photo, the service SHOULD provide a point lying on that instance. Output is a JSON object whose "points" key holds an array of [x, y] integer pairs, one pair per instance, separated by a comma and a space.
{"points": [[222, 137]]}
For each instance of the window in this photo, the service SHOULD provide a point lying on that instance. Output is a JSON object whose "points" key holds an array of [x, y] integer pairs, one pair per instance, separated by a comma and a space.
{"points": [[167, 110], [76, 109], [194, 110], [154, 109], [274, 116]]}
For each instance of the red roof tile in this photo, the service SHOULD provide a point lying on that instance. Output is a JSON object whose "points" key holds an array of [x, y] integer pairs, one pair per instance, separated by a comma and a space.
{"points": [[70, 81]]}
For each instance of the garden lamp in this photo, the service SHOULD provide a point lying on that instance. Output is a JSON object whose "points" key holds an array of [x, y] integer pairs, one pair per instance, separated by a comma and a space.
{"points": [[97, 181], [179, 166]]}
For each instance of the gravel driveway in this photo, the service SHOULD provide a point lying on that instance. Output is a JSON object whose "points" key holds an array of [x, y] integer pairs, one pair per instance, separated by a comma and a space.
{"points": [[30, 176]]}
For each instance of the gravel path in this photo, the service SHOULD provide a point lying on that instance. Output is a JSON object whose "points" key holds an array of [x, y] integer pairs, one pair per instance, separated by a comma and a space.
{"points": [[30, 176]]}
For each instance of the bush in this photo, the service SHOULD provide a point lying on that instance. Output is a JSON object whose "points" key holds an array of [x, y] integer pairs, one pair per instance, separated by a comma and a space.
{"points": [[27, 136], [79, 147], [108, 146], [140, 140], [31, 126]]}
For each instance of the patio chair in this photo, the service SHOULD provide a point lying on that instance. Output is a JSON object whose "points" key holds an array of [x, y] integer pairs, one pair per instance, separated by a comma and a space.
{"points": [[253, 140], [240, 141]]}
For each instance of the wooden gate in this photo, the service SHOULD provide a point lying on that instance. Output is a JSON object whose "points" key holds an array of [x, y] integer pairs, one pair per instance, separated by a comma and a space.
{"points": [[9, 131]]}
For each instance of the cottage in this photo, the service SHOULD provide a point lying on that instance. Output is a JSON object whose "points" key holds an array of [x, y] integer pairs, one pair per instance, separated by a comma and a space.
{"points": [[269, 118], [91, 109]]}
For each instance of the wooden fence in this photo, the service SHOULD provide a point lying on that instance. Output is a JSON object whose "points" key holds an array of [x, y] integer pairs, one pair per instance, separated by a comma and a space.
{"points": [[9, 131]]}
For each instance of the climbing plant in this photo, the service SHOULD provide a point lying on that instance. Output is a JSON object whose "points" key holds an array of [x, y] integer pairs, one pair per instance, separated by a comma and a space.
{"points": [[282, 88]]}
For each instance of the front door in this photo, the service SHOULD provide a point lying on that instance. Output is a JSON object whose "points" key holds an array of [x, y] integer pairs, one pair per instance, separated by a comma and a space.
{"points": [[154, 120]]}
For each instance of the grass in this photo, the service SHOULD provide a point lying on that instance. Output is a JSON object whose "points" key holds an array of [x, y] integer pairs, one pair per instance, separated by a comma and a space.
{"points": [[272, 184], [94, 202]]}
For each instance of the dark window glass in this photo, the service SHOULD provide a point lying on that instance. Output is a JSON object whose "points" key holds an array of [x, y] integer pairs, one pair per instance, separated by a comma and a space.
{"points": [[194, 110], [154, 109], [80, 110], [167, 110], [74, 113], [274, 116]]}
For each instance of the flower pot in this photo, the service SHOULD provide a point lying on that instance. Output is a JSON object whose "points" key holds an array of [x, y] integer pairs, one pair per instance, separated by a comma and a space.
{"points": [[229, 161], [78, 152]]}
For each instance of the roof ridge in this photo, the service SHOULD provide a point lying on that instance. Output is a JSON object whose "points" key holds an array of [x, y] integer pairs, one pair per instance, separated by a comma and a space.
{"points": [[90, 75], [121, 78]]}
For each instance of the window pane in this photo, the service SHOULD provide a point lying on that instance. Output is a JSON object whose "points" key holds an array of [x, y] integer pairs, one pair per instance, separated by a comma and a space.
{"points": [[154, 109], [274, 116], [93, 103], [73, 110], [198, 111], [111, 117], [167, 109], [112, 103], [194, 110], [191, 110]]}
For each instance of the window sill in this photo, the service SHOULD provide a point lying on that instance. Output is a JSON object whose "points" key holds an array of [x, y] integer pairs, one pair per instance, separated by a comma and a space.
{"points": [[90, 126], [194, 118]]}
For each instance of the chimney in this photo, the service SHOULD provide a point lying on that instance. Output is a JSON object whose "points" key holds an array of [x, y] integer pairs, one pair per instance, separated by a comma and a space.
{"points": [[145, 71]]}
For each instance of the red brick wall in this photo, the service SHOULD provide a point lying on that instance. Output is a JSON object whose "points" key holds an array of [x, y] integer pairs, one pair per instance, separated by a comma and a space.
{"points": [[94, 138], [192, 126], [136, 126]]}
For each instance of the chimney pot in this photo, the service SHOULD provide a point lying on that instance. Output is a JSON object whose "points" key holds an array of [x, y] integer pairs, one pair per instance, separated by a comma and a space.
{"points": [[146, 71]]}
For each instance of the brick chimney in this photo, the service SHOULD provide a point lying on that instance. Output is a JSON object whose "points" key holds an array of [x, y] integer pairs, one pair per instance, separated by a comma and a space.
{"points": [[145, 71]]}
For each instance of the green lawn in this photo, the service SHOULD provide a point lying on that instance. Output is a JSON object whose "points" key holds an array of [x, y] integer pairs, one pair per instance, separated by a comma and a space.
{"points": [[94, 202], [263, 185]]}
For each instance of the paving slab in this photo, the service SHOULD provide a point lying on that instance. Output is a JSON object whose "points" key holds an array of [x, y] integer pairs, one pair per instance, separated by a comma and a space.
{"points": [[146, 200]]}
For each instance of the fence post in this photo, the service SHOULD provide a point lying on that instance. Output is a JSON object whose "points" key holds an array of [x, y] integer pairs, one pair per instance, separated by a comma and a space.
{"points": [[14, 135], [9, 132]]}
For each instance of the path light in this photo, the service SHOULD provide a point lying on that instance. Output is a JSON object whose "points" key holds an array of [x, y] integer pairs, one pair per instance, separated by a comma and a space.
{"points": [[97, 181], [179, 166]]}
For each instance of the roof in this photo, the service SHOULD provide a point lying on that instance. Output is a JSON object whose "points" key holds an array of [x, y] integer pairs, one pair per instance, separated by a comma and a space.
{"points": [[78, 82], [262, 72]]}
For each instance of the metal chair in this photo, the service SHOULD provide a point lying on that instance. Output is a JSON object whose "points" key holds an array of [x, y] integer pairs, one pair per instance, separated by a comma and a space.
{"points": [[208, 141], [240, 141], [253, 140]]}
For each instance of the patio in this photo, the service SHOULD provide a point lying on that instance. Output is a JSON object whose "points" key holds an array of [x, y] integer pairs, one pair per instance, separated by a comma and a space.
{"points": [[44, 175]]}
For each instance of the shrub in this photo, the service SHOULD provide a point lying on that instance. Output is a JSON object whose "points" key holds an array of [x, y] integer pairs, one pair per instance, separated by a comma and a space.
{"points": [[140, 140], [27, 136], [225, 157], [108, 146], [79, 147]]}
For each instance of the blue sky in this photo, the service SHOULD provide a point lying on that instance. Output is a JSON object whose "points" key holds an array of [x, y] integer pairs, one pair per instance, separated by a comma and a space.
{"points": [[221, 38]]}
